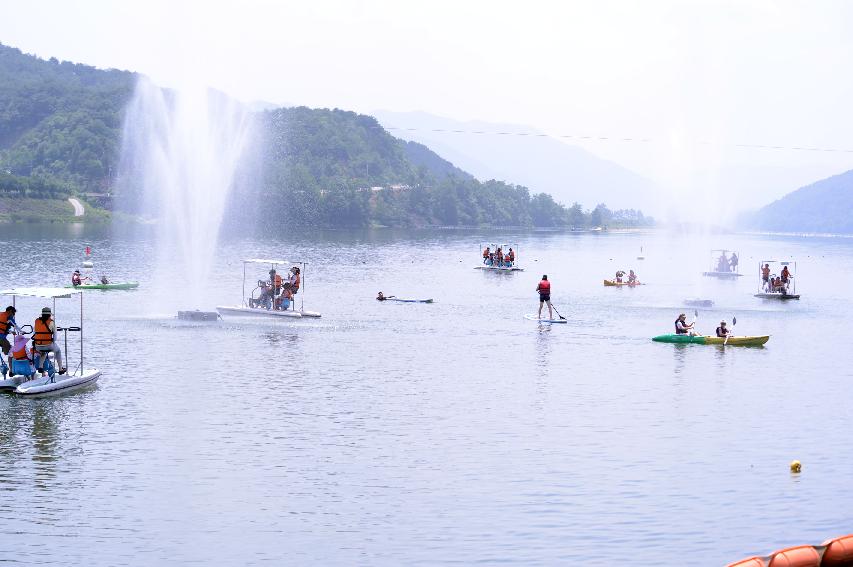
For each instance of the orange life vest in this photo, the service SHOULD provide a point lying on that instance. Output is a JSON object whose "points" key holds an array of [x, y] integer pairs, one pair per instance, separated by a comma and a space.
{"points": [[4, 324], [545, 287], [21, 354], [42, 334]]}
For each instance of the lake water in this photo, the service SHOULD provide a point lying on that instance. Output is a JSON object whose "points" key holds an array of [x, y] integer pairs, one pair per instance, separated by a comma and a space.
{"points": [[456, 432]]}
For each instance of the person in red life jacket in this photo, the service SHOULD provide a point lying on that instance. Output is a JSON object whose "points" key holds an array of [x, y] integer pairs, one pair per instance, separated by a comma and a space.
{"points": [[510, 257], [486, 254], [7, 321], [544, 289], [44, 339], [786, 275]]}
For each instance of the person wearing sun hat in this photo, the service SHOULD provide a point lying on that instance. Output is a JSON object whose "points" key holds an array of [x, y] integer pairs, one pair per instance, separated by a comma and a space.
{"points": [[44, 339]]}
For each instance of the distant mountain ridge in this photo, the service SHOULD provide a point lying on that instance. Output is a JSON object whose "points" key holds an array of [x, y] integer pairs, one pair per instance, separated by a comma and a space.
{"points": [[825, 206], [514, 152]]}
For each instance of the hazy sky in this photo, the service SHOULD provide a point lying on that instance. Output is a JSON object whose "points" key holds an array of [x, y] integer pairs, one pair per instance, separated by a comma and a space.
{"points": [[681, 73]]}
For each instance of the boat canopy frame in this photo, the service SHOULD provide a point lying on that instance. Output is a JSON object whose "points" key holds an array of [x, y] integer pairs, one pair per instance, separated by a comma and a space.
{"points": [[493, 246], [791, 286], [52, 293], [715, 257], [273, 264]]}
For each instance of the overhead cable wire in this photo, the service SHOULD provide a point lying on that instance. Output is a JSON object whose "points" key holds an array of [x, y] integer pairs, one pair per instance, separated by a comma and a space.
{"points": [[615, 139]]}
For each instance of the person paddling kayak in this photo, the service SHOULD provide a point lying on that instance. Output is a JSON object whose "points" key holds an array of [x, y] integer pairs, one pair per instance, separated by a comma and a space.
{"points": [[544, 289], [682, 327], [722, 331], [382, 297]]}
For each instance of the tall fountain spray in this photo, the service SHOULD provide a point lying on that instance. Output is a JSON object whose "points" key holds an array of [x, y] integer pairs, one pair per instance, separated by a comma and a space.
{"points": [[180, 154]]}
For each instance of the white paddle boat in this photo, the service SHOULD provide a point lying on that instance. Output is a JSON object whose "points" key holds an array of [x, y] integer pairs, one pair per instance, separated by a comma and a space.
{"points": [[31, 383]]}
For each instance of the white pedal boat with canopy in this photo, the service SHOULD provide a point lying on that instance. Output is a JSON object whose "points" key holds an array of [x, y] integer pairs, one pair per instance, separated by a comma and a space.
{"points": [[78, 377], [256, 304]]}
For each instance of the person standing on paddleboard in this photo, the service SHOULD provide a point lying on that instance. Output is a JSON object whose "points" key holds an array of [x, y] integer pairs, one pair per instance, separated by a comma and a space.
{"points": [[544, 289]]}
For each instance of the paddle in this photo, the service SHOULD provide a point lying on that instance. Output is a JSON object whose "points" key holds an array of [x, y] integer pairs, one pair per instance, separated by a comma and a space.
{"points": [[557, 312], [734, 322]]}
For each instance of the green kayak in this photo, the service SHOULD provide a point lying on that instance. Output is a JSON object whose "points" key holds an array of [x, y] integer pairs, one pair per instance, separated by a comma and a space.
{"points": [[699, 340], [118, 285]]}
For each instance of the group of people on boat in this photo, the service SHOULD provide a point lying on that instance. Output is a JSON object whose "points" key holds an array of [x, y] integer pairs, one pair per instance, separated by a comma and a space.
{"points": [[276, 293], [776, 283], [77, 279], [497, 258], [23, 360], [727, 264], [632, 277], [682, 327]]}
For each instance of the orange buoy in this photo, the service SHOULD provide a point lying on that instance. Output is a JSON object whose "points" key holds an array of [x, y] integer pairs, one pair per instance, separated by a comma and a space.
{"points": [[751, 562], [839, 552], [799, 556]]}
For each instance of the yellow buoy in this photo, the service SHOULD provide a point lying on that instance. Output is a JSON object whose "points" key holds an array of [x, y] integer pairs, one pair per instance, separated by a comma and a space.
{"points": [[796, 466]]}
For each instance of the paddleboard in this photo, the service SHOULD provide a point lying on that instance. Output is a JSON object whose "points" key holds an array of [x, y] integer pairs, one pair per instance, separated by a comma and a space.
{"points": [[549, 321]]}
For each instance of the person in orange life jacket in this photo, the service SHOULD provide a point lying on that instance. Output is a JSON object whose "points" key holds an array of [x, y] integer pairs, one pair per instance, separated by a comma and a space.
{"points": [[486, 253], [294, 280], [722, 331], [510, 257], [7, 320], [283, 301], [544, 289], [44, 339], [765, 273], [786, 275], [499, 257], [22, 362]]}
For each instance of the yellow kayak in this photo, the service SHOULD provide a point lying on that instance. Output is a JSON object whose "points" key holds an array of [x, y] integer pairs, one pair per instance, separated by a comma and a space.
{"points": [[611, 283], [701, 340]]}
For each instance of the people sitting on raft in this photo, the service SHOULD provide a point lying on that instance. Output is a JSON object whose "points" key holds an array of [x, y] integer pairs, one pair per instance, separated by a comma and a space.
{"points": [[682, 327], [25, 361], [723, 263], [733, 261], [498, 258], [785, 275], [632, 278], [722, 330]]}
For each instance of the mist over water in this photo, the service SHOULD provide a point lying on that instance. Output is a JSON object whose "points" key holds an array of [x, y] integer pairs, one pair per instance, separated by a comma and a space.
{"points": [[180, 153]]}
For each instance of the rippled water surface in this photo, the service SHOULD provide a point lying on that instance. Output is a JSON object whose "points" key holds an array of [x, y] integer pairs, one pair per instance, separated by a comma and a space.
{"points": [[456, 432]]}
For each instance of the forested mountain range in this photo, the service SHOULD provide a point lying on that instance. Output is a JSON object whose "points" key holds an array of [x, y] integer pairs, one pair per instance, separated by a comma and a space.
{"points": [[825, 206], [61, 131]]}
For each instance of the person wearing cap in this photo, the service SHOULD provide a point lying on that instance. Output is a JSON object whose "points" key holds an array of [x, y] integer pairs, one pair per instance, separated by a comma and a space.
{"points": [[7, 320], [544, 289], [682, 327], [44, 339], [722, 331]]}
